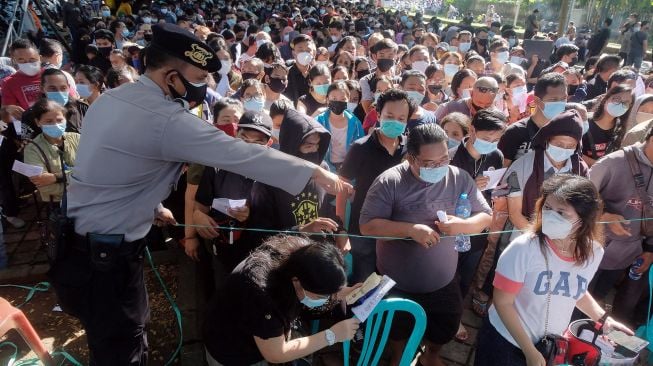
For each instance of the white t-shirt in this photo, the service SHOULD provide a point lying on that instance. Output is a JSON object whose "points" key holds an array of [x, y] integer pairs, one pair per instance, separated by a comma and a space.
{"points": [[522, 271], [338, 144]]}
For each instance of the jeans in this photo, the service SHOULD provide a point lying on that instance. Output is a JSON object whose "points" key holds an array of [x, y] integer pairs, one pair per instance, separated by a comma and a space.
{"points": [[635, 60], [363, 252]]}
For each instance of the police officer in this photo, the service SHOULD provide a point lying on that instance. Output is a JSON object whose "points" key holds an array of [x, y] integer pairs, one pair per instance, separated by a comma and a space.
{"points": [[130, 157]]}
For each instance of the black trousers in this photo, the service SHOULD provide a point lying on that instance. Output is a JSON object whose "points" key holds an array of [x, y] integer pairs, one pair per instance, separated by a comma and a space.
{"points": [[112, 306]]}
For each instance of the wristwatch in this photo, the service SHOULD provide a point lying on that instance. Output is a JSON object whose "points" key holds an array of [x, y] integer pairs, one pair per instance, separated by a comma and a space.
{"points": [[330, 337]]}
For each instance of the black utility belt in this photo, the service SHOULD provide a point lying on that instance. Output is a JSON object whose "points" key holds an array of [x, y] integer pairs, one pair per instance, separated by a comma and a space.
{"points": [[105, 249]]}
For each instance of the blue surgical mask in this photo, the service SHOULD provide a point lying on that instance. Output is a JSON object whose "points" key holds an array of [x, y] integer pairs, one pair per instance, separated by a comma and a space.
{"points": [[351, 106], [451, 143], [586, 126], [559, 154], [512, 42], [83, 90], [464, 47], [392, 128], [415, 96], [321, 89], [231, 22], [404, 18], [55, 131], [254, 104], [409, 25], [490, 34], [616, 109], [433, 175], [552, 109], [106, 13], [450, 70], [125, 32], [313, 303], [60, 98], [503, 57], [485, 147]]}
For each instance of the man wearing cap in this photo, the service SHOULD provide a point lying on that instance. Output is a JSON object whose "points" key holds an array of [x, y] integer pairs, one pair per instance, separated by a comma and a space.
{"points": [[105, 43], [135, 141], [253, 128]]}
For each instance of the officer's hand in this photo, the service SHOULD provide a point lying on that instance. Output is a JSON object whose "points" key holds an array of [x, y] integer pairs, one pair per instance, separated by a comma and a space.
{"points": [[241, 214], [44, 179], [191, 246], [164, 217], [206, 227], [331, 182]]}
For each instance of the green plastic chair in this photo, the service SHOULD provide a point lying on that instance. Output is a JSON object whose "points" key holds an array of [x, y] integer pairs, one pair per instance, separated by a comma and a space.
{"points": [[383, 314]]}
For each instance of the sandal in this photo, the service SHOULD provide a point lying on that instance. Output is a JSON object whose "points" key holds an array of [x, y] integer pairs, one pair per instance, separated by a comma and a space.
{"points": [[462, 334], [479, 304]]}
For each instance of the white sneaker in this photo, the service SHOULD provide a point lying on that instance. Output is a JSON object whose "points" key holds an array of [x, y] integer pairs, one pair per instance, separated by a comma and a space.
{"points": [[16, 222]]}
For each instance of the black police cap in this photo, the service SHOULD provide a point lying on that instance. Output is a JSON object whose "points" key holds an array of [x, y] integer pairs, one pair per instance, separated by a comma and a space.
{"points": [[182, 44]]}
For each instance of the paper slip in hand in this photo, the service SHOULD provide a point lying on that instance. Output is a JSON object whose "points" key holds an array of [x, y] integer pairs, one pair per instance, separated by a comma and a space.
{"points": [[364, 310], [223, 204], [18, 127], [26, 169], [370, 284], [495, 177]]}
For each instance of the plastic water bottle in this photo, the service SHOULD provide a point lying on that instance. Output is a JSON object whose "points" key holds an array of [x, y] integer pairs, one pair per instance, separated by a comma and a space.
{"points": [[463, 210], [633, 269]]}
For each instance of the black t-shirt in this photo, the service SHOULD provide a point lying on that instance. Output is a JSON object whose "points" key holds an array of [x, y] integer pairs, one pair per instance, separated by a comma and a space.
{"points": [[297, 84], [517, 140], [461, 158], [366, 160], [238, 312], [600, 139], [596, 87], [310, 103]]}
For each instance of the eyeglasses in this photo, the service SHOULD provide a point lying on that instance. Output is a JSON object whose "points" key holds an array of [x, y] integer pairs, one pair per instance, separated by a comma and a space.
{"points": [[253, 97], [431, 164], [485, 89]]}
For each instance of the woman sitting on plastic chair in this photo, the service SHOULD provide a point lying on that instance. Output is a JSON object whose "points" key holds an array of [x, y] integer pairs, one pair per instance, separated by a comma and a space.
{"points": [[543, 275], [250, 318]]}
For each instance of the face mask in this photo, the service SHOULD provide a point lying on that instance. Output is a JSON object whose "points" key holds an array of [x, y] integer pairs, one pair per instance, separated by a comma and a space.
{"points": [[554, 225], [337, 107], [148, 37], [571, 89], [286, 37], [636, 29], [260, 42], [254, 104], [125, 32], [335, 39], [225, 67], [465, 46], [643, 117], [107, 13], [516, 60], [277, 85], [404, 18], [490, 34], [552, 109], [416, 97], [512, 42], [450, 70], [147, 20], [559, 154], [249, 75], [385, 64], [267, 29], [231, 22], [452, 142], [499, 97], [195, 92], [392, 128], [482, 42], [313, 157], [229, 129], [55, 131], [30, 68], [586, 126], [409, 25], [321, 89], [362, 73], [60, 98], [420, 66], [105, 51], [304, 58], [453, 49], [351, 106], [324, 62], [313, 303], [466, 93], [616, 109], [433, 175], [502, 57], [83, 90], [484, 147], [276, 132]]}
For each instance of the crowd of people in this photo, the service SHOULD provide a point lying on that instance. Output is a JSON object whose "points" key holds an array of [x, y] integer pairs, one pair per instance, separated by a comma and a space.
{"points": [[411, 113]]}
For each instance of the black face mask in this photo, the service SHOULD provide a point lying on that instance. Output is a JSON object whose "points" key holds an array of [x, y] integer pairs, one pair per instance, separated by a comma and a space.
{"points": [[313, 157], [194, 94], [571, 89], [105, 51], [362, 73], [277, 85], [337, 107], [384, 64], [147, 37], [249, 75], [482, 42]]}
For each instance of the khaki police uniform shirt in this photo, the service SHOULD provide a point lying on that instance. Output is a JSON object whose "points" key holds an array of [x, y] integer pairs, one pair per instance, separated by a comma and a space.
{"points": [[130, 157]]}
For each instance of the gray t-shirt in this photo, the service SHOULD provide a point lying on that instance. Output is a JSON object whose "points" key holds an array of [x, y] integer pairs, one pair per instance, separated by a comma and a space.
{"points": [[449, 107], [398, 195]]}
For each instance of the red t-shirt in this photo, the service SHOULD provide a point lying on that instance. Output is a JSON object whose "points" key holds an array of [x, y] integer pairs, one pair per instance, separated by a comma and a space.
{"points": [[21, 90]]}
